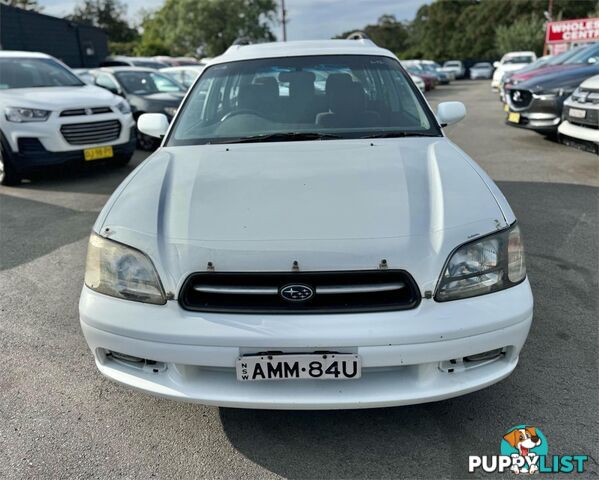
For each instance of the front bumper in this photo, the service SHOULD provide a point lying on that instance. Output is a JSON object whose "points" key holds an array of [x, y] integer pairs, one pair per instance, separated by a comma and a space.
{"points": [[26, 161], [403, 353]]}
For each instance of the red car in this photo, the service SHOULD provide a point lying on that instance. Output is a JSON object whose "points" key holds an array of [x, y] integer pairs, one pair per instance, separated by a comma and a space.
{"points": [[430, 81]]}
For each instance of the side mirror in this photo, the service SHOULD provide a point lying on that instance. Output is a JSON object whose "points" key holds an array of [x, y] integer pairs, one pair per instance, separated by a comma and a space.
{"points": [[153, 124], [449, 113], [495, 64]]}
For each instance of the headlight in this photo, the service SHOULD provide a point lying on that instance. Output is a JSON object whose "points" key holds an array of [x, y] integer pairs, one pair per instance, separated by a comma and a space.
{"points": [[170, 111], [124, 107], [486, 265], [20, 115], [120, 271]]}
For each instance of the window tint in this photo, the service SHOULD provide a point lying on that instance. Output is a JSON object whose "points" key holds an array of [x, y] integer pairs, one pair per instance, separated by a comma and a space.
{"points": [[346, 95], [35, 72], [146, 83]]}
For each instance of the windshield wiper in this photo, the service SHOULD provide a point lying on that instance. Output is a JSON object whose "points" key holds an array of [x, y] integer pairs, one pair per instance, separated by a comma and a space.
{"points": [[400, 134], [280, 137]]}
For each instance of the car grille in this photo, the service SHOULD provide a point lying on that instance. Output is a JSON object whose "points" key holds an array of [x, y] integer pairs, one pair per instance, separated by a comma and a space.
{"points": [[75, 112], [90, 133], [590, 120], [519, 99], [333, 292]]}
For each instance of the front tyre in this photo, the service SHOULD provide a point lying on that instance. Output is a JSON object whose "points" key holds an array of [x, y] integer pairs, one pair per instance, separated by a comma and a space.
{"points": [[8, 174]]}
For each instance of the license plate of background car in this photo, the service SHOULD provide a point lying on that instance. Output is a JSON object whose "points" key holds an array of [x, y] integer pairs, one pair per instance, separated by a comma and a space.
{"points": [[506, 107], [577, 113], [513, 117], [97, 153], [325, 366]]}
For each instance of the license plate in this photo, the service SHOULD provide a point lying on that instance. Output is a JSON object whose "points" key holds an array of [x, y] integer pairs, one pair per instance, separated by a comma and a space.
{"points": [[577, 113], [97, 153], [506, 107], [329, 366], [513, 117]]}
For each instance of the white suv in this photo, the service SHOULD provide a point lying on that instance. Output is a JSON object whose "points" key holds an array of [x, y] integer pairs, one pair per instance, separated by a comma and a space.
{"points": [[580, 126], [510, 62], [306, 237], [48, 116]]}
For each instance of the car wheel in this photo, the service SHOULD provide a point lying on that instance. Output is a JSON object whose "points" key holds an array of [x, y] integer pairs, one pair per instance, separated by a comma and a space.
{"points": [[145, 142], [8, 175], [122, 160]]}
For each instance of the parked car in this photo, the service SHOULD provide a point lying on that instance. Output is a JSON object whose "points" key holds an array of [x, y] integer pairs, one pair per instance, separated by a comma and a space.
{"points": [[185, 75], [481, 70], [316, 250], [580, 125], [430, 81], [83, 74], [50, 117], [537, 103], [418, 82], [146, 90], [510, 62], [444, 77], [574, 58], [176, 61], [456, 67], [429, 68], [124, 61]]}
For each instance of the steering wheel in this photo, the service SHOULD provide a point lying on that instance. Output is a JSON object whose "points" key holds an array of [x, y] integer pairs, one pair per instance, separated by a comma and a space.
{"points": [[241, 111]]}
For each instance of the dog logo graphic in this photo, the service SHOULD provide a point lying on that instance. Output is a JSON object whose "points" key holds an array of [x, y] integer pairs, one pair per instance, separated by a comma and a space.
{"points": [[524, 444]]}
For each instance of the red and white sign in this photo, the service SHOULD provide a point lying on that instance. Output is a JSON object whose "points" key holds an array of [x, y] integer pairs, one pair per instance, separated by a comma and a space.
{"points": [[573, 31]]}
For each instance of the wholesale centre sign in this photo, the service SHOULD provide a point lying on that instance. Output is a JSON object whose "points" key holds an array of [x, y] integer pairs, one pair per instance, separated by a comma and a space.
{"points": [[573, 31]]}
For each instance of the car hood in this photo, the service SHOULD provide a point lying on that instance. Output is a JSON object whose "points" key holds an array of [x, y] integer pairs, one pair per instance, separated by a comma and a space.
{"points": [[58, 98], [523, 76], [511, 67], [330, 205], [162, 97], [569, 79]]}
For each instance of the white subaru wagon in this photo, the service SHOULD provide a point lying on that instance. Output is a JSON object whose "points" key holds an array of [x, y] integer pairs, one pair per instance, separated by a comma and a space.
{"points": [[306, 237]]}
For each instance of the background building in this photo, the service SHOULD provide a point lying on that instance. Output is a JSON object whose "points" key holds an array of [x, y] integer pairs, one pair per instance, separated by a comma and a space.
{"points": [[77, 45]]}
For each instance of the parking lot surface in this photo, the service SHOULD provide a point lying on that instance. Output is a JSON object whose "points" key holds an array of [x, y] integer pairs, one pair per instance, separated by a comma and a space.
{"points": [[59, 418]]}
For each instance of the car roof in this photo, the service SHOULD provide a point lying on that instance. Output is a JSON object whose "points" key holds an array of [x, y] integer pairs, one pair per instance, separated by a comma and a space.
{"points": [[22, 54], [123, 68], [301, 48], [183, 67]]}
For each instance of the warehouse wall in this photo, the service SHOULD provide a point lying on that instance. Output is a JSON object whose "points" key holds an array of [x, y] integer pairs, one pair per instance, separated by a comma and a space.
{"points": [[76, 45]]}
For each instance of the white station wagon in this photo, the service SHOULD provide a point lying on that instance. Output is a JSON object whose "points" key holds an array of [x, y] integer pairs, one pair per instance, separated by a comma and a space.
{"points": [[306, 237]]}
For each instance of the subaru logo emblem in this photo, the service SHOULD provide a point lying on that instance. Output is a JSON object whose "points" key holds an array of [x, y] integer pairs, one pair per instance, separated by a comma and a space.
{"points": [[88, 111], [296, 293]]}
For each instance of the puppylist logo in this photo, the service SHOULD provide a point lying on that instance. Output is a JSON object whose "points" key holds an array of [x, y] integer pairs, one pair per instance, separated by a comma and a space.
{"points": [[524, 449]]}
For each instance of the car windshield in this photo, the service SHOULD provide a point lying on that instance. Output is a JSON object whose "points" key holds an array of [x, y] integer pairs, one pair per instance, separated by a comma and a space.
{"points": [[482, 65], [585, 55], [519, 59], [26, 72], [451, 64], [147, 83], [302, 98]]}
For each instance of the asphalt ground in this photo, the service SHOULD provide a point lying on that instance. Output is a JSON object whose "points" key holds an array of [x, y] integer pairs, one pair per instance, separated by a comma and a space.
{"points": [[59, 418]]}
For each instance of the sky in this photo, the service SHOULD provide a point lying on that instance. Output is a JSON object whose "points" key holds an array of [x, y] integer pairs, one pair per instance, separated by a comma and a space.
{"points": [[308, 19]]}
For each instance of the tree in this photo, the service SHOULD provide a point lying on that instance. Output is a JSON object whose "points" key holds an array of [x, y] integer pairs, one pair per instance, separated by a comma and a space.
{"points": [[183, 26], [526, 33], [109, 15], [24, 4]]}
